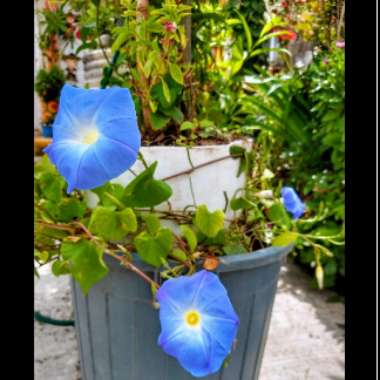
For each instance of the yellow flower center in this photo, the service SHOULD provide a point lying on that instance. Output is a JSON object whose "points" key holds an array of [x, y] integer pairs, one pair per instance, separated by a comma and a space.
{"points": [[193, 318], [91, 137]]}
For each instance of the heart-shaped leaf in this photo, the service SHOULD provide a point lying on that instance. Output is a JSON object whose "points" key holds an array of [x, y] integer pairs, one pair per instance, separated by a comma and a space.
{"points": [[153, 249], [209, 223], [86, 262], [145, 191]]}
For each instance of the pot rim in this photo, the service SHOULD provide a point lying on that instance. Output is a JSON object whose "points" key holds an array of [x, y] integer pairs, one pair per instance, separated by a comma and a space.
{"points": [[240, 262], [247, 140]]}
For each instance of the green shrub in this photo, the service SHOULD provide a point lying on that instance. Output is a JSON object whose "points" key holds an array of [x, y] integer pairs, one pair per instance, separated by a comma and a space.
{"points": [[301, 120], [49, 83]]}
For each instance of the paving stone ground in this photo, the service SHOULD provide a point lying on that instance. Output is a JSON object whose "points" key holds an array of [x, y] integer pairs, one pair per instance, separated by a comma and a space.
{"points": [[305, 340]]}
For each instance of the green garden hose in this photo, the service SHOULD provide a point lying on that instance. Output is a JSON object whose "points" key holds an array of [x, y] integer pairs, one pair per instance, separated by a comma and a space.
{"points": [[51, 321]]}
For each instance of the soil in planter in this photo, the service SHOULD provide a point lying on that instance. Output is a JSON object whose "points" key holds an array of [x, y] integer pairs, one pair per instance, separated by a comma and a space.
{"points": [[172, 137]]}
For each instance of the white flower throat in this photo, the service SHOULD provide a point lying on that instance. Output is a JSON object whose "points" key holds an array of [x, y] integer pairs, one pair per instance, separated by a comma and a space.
{"points": [[90, 137]]}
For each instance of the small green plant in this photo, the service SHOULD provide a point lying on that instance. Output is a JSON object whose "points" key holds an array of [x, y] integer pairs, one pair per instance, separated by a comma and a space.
{"points": [[49, 83], [53, 23]]}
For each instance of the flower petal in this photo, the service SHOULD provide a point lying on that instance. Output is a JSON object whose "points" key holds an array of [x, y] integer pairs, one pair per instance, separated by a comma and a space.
{"points": [[185, 289], [83, 104], [66, 156], [222, 329], [118, 104], [209, 290], [191, 348], [91, 173], [124, 130], [115, 156], [292, 202]]}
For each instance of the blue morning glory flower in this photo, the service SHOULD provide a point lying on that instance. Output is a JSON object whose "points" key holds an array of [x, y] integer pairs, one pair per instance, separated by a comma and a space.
{"points": [[95, 136], [198, 322], [292, 202]]}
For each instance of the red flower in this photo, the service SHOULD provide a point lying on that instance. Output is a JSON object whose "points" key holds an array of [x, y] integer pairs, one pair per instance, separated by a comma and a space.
{"points": [[290, 35], [170, 27], [284, 4], [77, 34]]}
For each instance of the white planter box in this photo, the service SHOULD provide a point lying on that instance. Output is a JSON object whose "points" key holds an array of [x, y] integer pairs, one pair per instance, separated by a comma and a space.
{"points": [[209, 182]]}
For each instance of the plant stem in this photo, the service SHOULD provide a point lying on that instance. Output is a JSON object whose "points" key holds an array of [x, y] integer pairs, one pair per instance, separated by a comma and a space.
{"points": [[62, 227], [168, 213], [124, 261], [98, 34], [341, 20], [85, 230], [114, 200], [142, 15], [142, 159], [189, 171]]}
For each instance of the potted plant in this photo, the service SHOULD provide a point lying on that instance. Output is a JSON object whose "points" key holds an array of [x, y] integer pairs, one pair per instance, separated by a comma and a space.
{"points": [[48, 87], [177, 215]]}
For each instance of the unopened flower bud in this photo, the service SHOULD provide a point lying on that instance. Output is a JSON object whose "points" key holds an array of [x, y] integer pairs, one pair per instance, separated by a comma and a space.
{"points": [[319, 276]]}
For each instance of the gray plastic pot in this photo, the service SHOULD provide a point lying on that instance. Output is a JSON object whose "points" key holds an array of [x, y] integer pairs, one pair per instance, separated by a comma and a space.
{"points": [[117, 327]]}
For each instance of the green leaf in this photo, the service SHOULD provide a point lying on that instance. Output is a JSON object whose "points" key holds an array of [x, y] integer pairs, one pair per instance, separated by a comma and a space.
{"points": [[247, 30], [166, 90], [285, 239], [179, 255], [152, 222], [86, 262], [219, 239], [190, 237], [176, 73], [121, 38], [114, 189], [206, 123], [159, 121], [154, 249], [128, 220], [330, 268], [44, 166], [42, 256], [157, 92], [241, 203], [60, 267], [186, 125], [209, 223], [328, 229], [145, 191], [70, 208], [278, 215], [175, 113], [234, 249], [148, 67], [237, 151], [107, 224], [52, 186]]}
